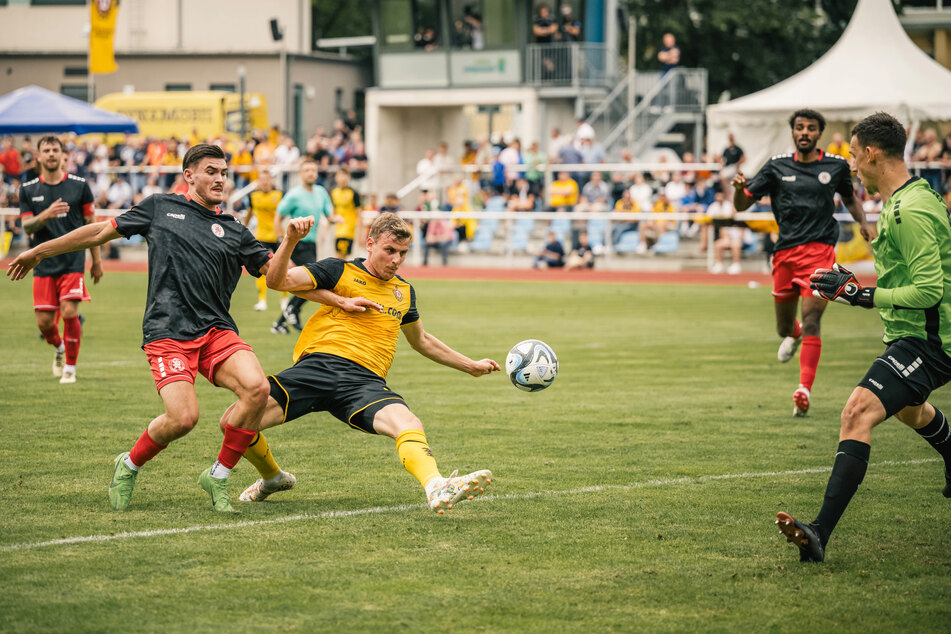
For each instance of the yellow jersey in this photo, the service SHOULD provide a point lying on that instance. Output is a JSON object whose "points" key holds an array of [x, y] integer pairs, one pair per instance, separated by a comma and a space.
{"points": [[368, 338], [564, 193], [347, 204], [264, 207]]}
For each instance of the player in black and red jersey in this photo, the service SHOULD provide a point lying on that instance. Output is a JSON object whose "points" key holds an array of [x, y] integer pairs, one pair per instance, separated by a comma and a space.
{"points": [[196, 253], [802, 187], [52, 205]]}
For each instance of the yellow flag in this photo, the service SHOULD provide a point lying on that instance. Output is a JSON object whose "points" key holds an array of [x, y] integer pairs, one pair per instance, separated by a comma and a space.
{"points": [[103, 22]]}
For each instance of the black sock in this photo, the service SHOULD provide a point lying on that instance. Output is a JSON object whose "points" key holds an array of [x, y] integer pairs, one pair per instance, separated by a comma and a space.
{"points": [[295, 304], [938, 435], [848, 471]]}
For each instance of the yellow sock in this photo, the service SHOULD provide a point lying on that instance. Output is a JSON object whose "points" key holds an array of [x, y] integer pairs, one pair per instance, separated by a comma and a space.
{"points": [[416, 455], [262, 288], [259, 455]]}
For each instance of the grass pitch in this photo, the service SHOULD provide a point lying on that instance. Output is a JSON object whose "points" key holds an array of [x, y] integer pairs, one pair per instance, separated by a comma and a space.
{"points": [[608, 511]]}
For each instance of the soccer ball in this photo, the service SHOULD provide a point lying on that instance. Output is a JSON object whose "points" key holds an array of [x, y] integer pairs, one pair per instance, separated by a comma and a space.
{"points": [[531, 365]]}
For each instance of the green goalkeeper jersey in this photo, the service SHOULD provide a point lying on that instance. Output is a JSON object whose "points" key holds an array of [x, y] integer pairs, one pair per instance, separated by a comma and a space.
{"points": [[913, 263]]}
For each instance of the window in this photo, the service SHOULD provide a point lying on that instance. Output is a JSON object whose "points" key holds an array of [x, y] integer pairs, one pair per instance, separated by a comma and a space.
{"points": [[76, 91], [76, 71], [56, 3], [178, 87], [224, 87], [410, 24]]}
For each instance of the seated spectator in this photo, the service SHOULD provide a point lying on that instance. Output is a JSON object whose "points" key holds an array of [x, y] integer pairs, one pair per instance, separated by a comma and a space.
{"points": [[594, 195], [521, 196], [652, 229], [581, 257], [391, 203], [552, 256], [641, 192], [696, 202], [493, 200], [563, 193], [535, 161], [439, 234], [839, 146], [625, 203], [119, 193]]}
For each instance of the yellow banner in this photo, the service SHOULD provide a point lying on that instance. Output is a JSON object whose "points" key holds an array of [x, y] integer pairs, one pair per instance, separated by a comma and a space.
{"points": [[103, 22]]}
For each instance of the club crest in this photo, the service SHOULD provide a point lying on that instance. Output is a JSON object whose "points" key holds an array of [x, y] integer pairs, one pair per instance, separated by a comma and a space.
{"points": [[825, 178], [398, 294], [218, 230]]}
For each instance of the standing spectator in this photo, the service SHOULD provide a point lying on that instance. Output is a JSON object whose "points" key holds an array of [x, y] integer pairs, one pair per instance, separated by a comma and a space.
{"points": [[535, 161], [570, 28], [357, 162], [556, 142], [511, 159], [346, 204], [53, 206], [731, 235], [545, 30], [9, 160], [439, 233], [732, 160], [552, 256], [669, 55], [563, 193]]}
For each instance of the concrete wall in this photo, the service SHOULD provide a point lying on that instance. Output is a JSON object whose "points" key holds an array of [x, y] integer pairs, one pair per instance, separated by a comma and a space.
{"points": [[162, 26]]}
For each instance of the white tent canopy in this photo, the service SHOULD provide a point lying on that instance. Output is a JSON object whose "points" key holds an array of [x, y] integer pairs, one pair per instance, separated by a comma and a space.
{"points": [[873, 67]]}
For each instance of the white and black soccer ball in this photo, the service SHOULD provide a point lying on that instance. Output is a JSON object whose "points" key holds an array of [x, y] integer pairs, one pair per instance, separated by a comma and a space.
{"points": [[531, 365]]}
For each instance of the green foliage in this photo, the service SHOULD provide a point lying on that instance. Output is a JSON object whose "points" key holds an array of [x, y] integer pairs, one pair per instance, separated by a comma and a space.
{"points": [[601, 517]]}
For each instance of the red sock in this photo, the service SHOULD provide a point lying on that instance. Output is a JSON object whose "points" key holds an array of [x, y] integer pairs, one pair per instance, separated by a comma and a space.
{"points": [[73, 332], [236, 442], [809, 360], [797, 330], [52, 337], [144, 449]]}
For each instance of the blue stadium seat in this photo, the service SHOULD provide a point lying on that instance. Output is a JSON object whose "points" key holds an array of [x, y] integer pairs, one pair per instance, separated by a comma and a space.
{"points": [[628, 242], [521, 232], [484, 235], [561, 227], [596, 230], [667, 242]]}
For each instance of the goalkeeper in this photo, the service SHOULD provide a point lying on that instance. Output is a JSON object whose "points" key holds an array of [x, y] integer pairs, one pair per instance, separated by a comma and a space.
{"points": [[913, 263]]}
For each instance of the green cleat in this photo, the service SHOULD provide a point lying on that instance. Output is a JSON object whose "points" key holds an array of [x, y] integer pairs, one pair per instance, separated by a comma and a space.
{"points": [[123, 481], [217, 488]]}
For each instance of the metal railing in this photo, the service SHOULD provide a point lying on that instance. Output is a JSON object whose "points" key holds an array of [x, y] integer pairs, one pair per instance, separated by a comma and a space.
{"points": [[569, 64]]}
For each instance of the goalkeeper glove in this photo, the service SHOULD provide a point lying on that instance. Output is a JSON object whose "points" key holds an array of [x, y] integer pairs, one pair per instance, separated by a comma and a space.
{"points": [[838, 284]]}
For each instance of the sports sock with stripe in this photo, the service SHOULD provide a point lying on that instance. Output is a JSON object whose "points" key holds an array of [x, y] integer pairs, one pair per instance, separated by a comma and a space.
{"points": [[938, 435], [848, 471], [416, 455], [259, 455], [72, 333], [809, 360]]}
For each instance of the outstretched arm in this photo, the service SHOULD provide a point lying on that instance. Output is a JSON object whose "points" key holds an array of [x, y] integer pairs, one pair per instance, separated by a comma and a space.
{"points": [[86, 237], [278, 276], [741, 201], [432, 348]]}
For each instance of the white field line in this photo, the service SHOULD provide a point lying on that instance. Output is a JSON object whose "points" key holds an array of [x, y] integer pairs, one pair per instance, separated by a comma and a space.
{"points": [[661, 482]]}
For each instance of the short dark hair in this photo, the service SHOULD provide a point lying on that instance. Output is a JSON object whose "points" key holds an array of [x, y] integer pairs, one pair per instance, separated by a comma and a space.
{"points": [[51, 140], [808, 113], [883, 131], [388, 222], [196, 153]]}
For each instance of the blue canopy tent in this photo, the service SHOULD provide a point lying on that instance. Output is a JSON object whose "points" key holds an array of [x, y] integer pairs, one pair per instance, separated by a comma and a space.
{"points": [[34, 109]]}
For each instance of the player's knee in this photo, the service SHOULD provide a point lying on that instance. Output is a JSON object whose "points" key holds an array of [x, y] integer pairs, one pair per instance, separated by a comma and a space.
{"points": [[44, 321], [256, 394], [856, 417], [183, 422], [68, 310]]}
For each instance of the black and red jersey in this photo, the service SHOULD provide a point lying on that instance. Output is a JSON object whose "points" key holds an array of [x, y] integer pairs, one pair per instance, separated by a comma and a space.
{"points": [[802, 196], [35, 197], [195, 260]]}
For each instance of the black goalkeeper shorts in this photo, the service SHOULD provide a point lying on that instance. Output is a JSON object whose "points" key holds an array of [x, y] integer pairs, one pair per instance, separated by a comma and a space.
{"points": [[907, 373]]}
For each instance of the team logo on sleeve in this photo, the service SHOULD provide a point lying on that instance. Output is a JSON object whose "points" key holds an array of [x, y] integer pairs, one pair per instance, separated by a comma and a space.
{"points": [[218, 230], [825, 178], [398, 294]]}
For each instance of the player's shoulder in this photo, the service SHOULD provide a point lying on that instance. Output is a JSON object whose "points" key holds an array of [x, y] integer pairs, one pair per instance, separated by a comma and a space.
{"points": [[781, 158], [78, 179], [834, 159], [31, 183]]}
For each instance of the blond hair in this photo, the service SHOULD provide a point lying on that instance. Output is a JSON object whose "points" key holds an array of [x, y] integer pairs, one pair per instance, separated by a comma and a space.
{"points": [[389, 222]]}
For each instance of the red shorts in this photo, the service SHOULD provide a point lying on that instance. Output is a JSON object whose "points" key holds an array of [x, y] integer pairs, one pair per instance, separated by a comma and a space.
{"points": [[49, 291], [798, 263], [172, 360]]}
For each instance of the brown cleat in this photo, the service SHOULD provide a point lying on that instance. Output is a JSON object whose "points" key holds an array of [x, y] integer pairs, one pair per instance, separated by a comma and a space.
{"points": [[804, 536]]}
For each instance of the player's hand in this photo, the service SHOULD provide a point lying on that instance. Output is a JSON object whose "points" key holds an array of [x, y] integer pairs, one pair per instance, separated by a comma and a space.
{"points": [[298, 228], [359, 305], [96, 272], [23, 264], [739, 181], [57, 209], [838, 284], [869, 231], [484, 366], [335, 219]]}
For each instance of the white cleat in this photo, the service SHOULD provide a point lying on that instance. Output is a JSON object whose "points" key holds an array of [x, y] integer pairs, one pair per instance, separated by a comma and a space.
{"points": [[259, 491], [261, 305], [734, 269], [443, 493], [59, 361], [68, 377], [800, 402], [788, 348]]}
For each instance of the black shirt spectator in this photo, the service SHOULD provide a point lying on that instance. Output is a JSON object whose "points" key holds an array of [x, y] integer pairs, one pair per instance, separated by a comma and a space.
{"points": [[544, 28]]}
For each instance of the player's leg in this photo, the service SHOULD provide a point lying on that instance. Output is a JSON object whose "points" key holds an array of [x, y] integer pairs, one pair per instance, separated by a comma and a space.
{"points": [[932, 425], [812, 310], [241, 373], [261, 284], [72, 336], [179, 418], [397, 421], [45, 305], [786, 298]]}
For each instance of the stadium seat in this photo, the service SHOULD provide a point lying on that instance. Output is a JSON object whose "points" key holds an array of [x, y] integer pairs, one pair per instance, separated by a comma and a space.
{"points": [[484, 235], [521, 232], [596, 228], [667, 242], [628, 242], [561, 227]]}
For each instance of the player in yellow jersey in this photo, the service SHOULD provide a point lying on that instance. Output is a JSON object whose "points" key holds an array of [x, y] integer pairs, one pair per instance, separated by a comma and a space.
{"points": [[264, 207], [346, 205], [344, 353]]}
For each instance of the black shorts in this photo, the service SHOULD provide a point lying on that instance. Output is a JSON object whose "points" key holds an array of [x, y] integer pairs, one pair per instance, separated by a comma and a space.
{"points": [[326, 383], [271, 245], [304, 253], [907, 373]]}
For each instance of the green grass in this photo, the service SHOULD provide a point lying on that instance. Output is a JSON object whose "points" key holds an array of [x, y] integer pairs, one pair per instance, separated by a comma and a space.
{"points": [[658, 388]]}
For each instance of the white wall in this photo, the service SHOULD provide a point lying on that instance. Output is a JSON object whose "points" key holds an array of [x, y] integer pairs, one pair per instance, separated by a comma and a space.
{"points": [[207, 26]]}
